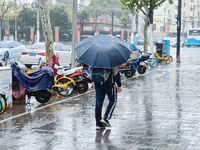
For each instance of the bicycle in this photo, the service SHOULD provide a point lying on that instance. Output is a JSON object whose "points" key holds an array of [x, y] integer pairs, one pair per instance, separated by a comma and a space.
{"points": [[152, 62], [167, 58], [3, 103]]}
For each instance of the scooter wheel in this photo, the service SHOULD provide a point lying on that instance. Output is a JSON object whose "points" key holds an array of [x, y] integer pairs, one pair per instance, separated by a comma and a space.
{"points": [[81, 87], [129, 73], [43, 96], [66, 92], [3, 104], [142, 69]]}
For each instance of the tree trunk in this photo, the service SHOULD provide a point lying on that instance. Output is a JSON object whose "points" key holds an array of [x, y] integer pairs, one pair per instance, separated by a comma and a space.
{"points": [[145, 35], [151, 28], [2, 17], [0, 29], [151, 38], [46, 26]]}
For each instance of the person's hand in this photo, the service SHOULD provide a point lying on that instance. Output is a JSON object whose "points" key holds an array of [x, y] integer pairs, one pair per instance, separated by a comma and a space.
{"points": [[119, 89]]}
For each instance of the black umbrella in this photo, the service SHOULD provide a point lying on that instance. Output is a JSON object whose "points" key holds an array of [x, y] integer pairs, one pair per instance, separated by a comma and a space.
{"points": [[103, 51]]}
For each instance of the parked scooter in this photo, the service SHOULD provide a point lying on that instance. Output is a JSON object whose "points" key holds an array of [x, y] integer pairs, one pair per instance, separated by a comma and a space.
{"points": [[80, 76], [129, 68], [37, 84], [3, 103]]}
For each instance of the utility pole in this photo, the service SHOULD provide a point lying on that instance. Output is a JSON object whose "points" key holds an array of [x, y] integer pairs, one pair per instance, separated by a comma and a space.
{"points": [[112, 23], [136, 22], [96, 21], [132, 25], [193, 17], [0, 28], [164, 26], [15, 22], [183, 35], [178, 31], [38, 26], [74, 28]]}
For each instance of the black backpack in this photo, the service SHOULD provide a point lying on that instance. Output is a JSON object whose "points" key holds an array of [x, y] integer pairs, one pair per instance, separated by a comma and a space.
{"points": [[100, 75]]}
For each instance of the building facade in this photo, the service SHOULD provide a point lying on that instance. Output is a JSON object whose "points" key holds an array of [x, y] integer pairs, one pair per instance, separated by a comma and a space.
{"points": [[165, 18]]}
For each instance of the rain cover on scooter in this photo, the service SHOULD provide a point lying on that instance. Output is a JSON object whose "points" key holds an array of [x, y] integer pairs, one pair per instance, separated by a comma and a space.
{"points": [[39, 80]]}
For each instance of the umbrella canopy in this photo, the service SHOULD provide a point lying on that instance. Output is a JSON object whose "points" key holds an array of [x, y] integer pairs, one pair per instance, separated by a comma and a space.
{"points": [[103, 51], [65, 34]]}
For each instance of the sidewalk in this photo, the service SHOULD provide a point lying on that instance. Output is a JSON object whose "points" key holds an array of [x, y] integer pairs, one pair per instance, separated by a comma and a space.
{"points": [[159, 110]]}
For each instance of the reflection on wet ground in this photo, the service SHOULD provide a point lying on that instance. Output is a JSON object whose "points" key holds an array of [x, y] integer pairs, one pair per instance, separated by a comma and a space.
{"points": [[158, 110]]}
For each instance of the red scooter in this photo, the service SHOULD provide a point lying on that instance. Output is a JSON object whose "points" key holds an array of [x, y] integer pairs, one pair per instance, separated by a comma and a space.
{"points": [[79, 75], [127, 70], [81, 78], [131, 66]]}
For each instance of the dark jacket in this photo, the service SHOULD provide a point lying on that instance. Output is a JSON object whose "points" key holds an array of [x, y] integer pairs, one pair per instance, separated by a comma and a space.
{"points": [[115, 79]]}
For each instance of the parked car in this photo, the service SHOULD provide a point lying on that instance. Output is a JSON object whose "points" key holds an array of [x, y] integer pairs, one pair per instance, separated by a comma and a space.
{"points": [[10, 49], [31, 55]]}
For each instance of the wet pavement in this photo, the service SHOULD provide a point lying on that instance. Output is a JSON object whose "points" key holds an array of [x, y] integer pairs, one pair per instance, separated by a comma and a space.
{"points": [[159, 110]]}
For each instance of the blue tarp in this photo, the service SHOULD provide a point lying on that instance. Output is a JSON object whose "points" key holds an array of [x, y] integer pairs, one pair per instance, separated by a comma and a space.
{"points": [[39, 80]]}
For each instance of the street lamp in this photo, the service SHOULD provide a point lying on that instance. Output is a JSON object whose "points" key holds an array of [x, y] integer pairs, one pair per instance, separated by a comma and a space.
{"points": [[132, 18], [36, 5]]}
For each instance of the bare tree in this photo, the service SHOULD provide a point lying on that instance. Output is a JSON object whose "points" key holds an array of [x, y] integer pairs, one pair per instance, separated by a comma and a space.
{"points": [[46, 26], [4, 6]]}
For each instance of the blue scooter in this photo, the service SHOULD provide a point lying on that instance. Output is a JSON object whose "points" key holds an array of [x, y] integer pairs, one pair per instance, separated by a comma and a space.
{"points": [[37, 84]]}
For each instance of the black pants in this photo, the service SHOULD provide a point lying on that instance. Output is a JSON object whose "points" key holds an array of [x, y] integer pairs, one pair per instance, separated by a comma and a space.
{"points": [[101, 92]]}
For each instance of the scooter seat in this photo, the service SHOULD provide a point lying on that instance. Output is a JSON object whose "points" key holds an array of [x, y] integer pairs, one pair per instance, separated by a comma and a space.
{"points": [[70, 71]]}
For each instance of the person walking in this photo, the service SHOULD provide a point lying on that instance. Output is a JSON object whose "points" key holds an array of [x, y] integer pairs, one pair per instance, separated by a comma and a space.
{"points": [[67, 39], [107, 88]]}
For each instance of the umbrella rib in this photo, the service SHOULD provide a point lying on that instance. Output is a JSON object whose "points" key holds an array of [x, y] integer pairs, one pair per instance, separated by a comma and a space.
{"points": [[123, 53]]}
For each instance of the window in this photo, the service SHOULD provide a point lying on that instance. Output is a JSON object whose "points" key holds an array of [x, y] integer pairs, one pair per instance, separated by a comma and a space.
{"points": [[194, 32], [198, 23], [168, 21], [12, 45], [191, 8], [38, 46], [184, 5], [16, 44], [57, 47]]}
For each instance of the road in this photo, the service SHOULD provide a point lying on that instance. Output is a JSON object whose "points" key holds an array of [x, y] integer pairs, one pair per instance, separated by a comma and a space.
{"points": [[158, 110]]}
